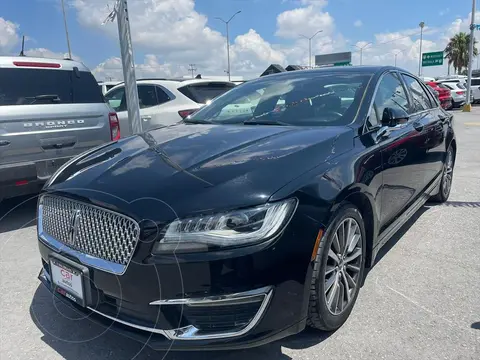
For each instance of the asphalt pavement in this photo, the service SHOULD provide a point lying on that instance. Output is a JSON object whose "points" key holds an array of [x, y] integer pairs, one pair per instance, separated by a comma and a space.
{"points": [[420, 301]]}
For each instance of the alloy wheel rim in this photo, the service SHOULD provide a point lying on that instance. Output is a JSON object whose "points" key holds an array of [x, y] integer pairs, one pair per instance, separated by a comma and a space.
{"points": [[343, 266], [448, 173]]}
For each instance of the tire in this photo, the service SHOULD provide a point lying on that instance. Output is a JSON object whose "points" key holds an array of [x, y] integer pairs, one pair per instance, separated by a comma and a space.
{"points": [[447, 178], [320, 315]]}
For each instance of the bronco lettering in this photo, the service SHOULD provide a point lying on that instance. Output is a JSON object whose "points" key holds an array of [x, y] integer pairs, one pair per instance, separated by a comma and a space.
{"points": [[53, 124]]}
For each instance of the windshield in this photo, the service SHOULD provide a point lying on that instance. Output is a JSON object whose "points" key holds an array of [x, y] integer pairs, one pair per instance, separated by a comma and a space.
{"points": [[305, 99]]}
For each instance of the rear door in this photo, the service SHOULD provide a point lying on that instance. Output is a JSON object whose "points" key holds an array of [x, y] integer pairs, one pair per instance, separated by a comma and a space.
{"points": [[428, 117], [49, 114], [151, 99]]}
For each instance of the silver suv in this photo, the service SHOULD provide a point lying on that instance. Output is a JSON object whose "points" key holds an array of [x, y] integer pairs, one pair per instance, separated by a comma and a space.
{"points": [[50, 111]]}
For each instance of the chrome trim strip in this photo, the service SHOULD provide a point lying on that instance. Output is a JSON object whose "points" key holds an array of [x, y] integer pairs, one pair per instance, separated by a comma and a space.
{"points": [[192, 333], [139, 327], [248, 296]]}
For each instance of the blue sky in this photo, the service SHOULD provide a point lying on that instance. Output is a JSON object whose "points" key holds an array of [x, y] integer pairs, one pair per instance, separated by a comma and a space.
{"points": [[42, 22]]}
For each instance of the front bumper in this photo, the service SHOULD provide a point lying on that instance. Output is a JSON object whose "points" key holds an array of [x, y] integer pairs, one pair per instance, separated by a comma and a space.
{"points": [[243, 298]]}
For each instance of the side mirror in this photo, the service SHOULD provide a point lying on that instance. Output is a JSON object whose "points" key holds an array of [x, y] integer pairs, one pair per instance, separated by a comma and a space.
{"points": [[393, 116]]}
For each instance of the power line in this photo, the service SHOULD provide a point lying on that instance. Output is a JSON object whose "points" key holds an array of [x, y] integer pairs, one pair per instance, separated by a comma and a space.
{"points": [[393, 40], [192, 69]]}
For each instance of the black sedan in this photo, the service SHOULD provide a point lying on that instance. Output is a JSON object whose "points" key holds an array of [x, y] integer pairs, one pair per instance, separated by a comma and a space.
{"points": [[254, 217]]}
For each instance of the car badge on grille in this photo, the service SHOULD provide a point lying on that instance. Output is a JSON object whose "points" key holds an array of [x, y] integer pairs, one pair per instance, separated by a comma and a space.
{"points": [[74, 220]]}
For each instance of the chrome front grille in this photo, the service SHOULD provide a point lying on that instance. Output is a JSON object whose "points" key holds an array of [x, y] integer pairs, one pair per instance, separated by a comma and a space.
{"points": [[88, 229]]}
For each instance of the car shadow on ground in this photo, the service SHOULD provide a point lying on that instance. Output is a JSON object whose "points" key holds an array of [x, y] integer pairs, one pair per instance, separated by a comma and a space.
{"points": [[76, 338], [18, 213]]}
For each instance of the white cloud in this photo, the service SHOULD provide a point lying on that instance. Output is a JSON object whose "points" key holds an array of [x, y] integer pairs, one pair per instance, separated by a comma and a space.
{"points": [[358, 23], [46, 53], [173, 32], [8, 35], [304, 20], [150, 67]]}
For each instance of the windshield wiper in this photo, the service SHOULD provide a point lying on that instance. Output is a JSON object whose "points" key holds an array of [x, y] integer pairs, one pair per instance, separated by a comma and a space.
{"points": [[265, 122], [52, 97]]}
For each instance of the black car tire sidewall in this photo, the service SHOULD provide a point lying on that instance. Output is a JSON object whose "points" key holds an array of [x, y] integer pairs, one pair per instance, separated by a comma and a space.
{"points": [[318, 305]]}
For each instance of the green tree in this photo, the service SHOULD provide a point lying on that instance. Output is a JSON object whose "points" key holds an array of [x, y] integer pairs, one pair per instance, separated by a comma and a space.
{"points": [[456, 51]]}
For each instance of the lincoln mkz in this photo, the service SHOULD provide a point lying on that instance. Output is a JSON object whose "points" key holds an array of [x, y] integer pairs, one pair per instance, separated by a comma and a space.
{"points": [[252, 218]]}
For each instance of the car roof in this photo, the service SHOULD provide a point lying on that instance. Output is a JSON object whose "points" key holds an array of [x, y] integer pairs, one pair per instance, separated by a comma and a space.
{"points": [[173, 83], [358, 69], [65, 64]]}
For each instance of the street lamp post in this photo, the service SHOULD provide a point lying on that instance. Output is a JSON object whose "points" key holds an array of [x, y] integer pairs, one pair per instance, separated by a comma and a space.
{"points": [[361, 51], [470, 58], [228, 40], [310, 46], [422, 25], [396, 53]]}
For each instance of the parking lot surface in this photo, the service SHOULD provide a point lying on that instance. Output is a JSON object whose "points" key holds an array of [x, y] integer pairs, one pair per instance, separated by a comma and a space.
{"points": [[420, 301]]}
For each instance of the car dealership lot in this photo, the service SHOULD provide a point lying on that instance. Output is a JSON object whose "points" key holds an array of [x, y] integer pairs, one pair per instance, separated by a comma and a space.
{"points": [[420, 301]]}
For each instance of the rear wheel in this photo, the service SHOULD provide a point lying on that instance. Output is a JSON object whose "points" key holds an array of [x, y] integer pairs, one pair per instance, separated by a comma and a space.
{"points": [[338, 270], [447, 177]]}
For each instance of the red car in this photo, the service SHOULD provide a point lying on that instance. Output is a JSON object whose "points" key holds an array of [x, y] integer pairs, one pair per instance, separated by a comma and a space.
{"points": [[443, 94]]}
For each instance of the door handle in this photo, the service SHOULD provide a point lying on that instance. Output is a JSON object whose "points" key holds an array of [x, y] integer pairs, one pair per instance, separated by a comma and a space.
{"points": [[418, 126], [146, 118], [4, 142]]}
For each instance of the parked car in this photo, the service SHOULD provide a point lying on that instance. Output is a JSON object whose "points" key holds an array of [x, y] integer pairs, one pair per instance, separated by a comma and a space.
{"points": [[105, 86], [443, 94], [476, 90], [165, 101], [231, 232], [458, 91], [50, 111]]}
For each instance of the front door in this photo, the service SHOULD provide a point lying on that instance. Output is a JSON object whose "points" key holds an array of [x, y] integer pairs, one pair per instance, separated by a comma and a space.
{"points": [[402, 159]]}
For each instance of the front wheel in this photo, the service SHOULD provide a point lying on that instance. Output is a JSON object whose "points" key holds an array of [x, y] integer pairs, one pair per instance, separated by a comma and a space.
{"points": [[447, 177], [338, 270]]}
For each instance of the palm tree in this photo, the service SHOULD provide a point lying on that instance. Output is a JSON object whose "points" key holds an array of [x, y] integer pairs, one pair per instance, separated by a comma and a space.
{"points": [[456, 51]]}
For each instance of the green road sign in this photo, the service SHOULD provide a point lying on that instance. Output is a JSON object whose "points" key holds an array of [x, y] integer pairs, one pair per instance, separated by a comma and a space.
{"points": [[432, 58], [344, 63]]}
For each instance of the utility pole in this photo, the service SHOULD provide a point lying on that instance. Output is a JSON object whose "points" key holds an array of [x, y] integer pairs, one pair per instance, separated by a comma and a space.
{"points": [[66, 30], [310, 46], [128, 64], [228, 40], [468, 105], [192, 68], [422, 25], [361, 51]]}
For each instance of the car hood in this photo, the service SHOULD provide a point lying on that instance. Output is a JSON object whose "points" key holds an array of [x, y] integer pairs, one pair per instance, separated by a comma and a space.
{"points": [[186, 168]]}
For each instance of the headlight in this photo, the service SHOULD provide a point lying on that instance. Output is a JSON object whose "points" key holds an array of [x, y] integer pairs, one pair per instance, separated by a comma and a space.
{"points": [[224, 230]]}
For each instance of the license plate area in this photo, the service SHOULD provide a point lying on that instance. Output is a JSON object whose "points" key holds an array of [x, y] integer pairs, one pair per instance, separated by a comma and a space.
{"points": [[68, 279]]}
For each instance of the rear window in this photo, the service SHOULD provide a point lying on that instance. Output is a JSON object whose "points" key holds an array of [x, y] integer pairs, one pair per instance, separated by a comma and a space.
{"points": [[201, 93], [42, 86]]}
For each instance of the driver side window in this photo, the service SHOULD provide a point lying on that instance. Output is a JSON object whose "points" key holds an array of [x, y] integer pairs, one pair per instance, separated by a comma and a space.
{"points": [[390, 93]]}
